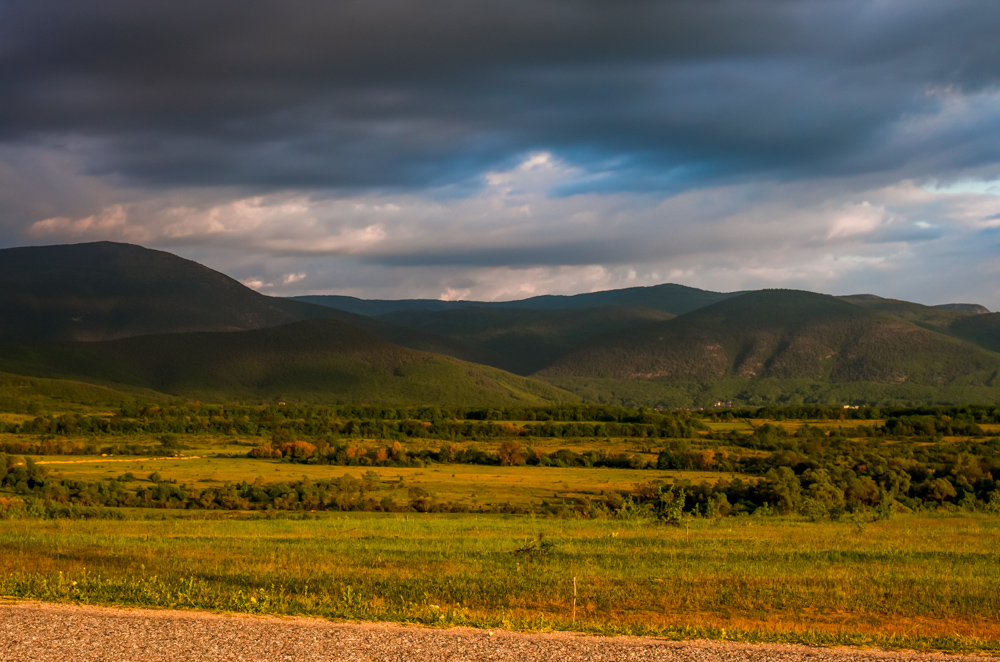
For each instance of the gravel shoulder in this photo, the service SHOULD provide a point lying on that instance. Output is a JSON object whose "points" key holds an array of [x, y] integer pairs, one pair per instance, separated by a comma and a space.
{"points": [[38, 631]]}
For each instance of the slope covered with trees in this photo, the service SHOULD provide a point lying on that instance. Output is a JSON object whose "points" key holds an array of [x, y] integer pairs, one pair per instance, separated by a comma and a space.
{"points": [[783, 334], [314, 360], [520, 340], [983, 330]]}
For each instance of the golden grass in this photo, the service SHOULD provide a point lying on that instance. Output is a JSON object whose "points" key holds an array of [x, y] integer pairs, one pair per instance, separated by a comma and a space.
{"points": [[474, 485]]}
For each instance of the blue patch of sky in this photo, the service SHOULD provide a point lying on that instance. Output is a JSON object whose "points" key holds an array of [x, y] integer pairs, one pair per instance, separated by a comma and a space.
{"points": [[976, 186]]}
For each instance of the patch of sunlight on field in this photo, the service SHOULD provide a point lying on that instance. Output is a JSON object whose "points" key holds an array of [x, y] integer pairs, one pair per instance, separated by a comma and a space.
{"points": [[6, 417], [612, 446], [748, 425], [725, 426], [472, 485]]}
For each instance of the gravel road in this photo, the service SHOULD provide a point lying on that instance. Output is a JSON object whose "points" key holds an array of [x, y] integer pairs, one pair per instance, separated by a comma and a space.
{"points": [[34, 631]]}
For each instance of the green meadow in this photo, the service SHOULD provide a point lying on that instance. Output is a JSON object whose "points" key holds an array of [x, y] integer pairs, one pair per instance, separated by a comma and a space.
{"points": [[922, 582]]}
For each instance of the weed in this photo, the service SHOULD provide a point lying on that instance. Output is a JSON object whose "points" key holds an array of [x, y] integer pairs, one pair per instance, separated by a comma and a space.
{"points": [[536, 548]]}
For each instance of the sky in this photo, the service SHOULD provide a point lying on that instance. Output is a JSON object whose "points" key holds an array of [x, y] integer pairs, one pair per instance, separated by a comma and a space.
{"points": [[494, 150]]}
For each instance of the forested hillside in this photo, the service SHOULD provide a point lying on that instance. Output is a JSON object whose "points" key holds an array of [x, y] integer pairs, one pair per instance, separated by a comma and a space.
{"points": [[133, 318], [784, 334], [313, 361]]}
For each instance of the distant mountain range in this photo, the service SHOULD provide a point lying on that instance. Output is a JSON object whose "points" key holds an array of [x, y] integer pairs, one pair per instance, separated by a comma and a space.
{"points": [[127, 317], [670, 298]]}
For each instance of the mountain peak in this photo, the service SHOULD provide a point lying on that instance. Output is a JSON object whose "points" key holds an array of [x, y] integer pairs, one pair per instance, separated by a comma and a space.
{"points": [[104, 290]]}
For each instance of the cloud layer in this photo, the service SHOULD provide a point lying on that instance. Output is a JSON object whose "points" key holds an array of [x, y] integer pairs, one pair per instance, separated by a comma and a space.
{"points": [[497, 149]]}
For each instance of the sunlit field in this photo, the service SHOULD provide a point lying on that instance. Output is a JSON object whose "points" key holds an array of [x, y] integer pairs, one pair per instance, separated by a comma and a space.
{"points": [[472, 485], [830, 531], [923, 582]]}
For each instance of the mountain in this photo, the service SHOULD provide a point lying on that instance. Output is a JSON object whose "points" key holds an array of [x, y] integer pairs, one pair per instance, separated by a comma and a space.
{"points": [[968, 321], [375, 307], [106, 290], [524, 341], [982, 329], [149, 324], [314, 360], [939, 317], [670, 298], [783, 334], [973, 308]]}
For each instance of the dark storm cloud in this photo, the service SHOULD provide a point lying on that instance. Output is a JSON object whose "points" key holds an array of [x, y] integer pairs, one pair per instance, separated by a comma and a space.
{"points": [[377, 93]]}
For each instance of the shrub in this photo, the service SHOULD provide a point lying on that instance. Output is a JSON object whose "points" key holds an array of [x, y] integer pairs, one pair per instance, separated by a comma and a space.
{"points": [[511, 453], [296, 449], [8, 505]]}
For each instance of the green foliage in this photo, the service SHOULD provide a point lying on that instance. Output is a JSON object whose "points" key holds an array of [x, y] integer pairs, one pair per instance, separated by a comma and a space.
{"points": [[630, 510], [31, 395], [765, 392], [668, 506], [898, 462]]}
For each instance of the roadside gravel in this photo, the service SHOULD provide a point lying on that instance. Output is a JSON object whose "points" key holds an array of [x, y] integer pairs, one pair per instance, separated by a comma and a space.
{"points": [[42, 632]]}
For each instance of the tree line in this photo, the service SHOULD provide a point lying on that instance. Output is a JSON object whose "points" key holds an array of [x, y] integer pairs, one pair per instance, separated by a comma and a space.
{"points": [[482, 424]]}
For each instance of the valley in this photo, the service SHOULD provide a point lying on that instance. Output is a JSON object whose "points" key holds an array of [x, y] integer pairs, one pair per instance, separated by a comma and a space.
{"points": [[769, 466]]}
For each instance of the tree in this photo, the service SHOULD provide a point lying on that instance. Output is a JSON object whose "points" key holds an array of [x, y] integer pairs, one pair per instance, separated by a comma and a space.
{"points": [[823, 491], [511, 453], [940, 490], [784, 490]]}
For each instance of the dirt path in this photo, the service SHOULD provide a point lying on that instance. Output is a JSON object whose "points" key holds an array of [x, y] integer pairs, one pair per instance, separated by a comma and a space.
{"points": [[105, 460], [34, 631]]}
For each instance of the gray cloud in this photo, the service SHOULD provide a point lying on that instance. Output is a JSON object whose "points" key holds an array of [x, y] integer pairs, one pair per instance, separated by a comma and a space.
{"points": [[393, 93], [509, 148]]}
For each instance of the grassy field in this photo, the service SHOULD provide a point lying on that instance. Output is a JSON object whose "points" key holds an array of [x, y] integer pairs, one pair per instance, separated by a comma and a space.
{"points": [[798, 569], [748, 424], [474, 485], [913, 582]]}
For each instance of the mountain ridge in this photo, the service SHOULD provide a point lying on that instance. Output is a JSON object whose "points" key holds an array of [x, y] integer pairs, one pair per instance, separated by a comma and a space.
{"points": [[666, 297], [782, 334], [123, 315]]}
